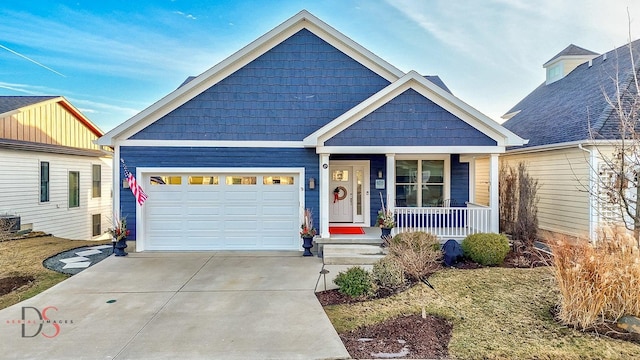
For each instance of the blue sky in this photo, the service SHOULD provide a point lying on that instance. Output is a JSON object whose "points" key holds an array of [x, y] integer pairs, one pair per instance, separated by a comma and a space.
{"points": [[114, 58]]}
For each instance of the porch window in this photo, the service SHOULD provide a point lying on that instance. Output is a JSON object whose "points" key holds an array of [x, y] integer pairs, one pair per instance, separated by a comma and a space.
{"points": [[419, 183]]}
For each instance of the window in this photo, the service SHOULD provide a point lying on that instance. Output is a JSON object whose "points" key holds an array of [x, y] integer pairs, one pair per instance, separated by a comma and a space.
{"points": [[44, 181], [95, 224], [165, 180], [241, 180], [277, 180], [203, 180], [74, 189], [97, 181], [420, 183]]}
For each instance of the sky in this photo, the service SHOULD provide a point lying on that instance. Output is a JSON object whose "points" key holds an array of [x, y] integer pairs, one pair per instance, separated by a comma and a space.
{"points": [[112, 59]]}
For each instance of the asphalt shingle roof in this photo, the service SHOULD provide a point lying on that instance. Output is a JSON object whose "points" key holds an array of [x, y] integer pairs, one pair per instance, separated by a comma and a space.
{"points": [[566, 110], [8, 103], [572, 50]]}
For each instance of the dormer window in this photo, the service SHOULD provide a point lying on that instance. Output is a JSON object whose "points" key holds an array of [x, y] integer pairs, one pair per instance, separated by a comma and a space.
{"points": [[554, 73]]}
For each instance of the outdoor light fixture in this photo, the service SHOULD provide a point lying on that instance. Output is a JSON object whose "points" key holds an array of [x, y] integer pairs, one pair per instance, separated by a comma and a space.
{"points": [[379, 174], [312, 183], [125, 184]]}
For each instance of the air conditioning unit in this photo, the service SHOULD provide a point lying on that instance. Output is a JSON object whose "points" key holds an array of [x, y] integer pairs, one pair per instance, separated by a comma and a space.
{"points": [[10, 222]]}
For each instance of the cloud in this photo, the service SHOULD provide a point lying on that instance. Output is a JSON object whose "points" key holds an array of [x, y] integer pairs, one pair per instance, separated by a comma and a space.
{"points": [[122, 47], [188, 16]]}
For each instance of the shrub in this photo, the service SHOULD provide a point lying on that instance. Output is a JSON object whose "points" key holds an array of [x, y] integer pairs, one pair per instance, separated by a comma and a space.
{"points": [[355, 282], [486, 248], [598, 283], [418, 253], [388, 274]]}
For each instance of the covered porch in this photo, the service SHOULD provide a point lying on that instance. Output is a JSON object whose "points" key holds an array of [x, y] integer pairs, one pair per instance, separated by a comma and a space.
{"points": [[451, 213]]}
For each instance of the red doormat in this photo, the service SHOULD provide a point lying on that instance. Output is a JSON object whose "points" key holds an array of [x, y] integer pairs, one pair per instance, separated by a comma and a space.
{"points": [[347, 230]]}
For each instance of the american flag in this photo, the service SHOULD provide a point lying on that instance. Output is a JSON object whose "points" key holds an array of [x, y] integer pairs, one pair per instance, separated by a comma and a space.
{"points": [[136, 189]]}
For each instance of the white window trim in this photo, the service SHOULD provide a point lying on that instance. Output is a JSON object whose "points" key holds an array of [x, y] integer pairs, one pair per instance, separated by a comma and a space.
{"points": [[446, 191]]}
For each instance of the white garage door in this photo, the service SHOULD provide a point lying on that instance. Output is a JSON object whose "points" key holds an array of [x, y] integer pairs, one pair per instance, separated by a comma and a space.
{"points": [[221, 211]]}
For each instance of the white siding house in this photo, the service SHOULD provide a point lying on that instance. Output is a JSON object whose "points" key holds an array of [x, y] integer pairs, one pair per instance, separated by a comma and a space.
{"points": [[52, 176]]}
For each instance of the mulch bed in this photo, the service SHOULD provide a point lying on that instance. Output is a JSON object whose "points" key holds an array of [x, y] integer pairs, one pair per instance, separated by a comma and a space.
{"points": [[12, 283], [414, 337], [602, 329]]}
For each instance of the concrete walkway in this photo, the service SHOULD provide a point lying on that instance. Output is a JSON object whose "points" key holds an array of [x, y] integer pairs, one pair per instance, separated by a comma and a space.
{"points": [[204, 305]]}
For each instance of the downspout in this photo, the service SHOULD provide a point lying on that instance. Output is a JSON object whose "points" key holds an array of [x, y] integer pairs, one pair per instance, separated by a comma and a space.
{"points": [[593, 193]]}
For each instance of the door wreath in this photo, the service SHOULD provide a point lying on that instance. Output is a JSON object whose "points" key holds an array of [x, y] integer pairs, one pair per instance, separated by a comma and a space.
{"points": [[336, 193]]}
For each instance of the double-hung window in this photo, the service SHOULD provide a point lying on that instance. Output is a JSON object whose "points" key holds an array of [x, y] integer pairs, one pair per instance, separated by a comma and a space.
{"points": [[421, 183], [74, 189], [44, 181], [96, 177]]}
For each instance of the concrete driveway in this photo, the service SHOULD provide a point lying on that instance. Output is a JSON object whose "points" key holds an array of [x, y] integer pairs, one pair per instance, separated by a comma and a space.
{"points": [[204, 305]]}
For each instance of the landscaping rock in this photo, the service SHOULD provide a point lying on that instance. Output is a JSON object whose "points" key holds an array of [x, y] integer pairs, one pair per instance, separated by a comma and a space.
{"points": [[630, 323]]}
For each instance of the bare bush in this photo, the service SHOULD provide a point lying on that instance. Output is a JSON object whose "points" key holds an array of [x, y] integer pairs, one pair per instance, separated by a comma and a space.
{"points": [[6, 224], [419, 253], [598, 283], [518, 203]]}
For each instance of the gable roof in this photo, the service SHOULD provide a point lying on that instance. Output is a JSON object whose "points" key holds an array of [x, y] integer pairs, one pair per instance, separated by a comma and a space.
{"points": [[573, 108], [190, 89], [571, 50], [435, 93], [12, 104]]}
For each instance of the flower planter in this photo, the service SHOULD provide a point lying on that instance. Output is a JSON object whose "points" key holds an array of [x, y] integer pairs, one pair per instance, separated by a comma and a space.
{"points": [[119, 246], [386, 232], [307, 245]]}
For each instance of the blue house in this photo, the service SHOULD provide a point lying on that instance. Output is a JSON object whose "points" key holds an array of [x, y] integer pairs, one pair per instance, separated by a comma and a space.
{"points": [[303, 117]]}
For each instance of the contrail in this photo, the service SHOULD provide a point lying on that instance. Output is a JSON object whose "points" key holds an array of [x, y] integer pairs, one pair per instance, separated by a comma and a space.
{"points": [[33, 61]]}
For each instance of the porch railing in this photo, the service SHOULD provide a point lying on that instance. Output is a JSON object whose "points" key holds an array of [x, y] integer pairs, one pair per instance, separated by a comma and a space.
{"points": [[445, 222]]}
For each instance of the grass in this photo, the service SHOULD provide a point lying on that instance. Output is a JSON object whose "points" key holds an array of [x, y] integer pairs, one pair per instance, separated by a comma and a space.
{"points": [[498, 313], [24, 257]]}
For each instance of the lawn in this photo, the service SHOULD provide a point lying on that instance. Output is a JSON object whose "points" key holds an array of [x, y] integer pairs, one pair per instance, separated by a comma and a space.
{"points": [[498, 313], [24, 257]]}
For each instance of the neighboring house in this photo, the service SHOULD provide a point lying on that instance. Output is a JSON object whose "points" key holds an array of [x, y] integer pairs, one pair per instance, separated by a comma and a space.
{"points": [[52, 174], [303, 117], [570, 126]]}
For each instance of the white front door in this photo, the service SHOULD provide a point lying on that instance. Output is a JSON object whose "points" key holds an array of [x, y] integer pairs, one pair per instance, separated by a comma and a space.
{"points": [[348, 193]]}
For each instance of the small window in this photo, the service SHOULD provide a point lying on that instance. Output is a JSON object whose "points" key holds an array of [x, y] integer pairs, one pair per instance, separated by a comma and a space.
{"points": [[241, 180], [277, 180], [340, 175], [166, 180], [97, 181], [74, 189], [44, 181], [95, 224], [203, 180]]}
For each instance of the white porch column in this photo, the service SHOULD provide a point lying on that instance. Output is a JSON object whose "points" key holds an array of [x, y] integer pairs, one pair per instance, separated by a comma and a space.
{"points": [[494, 225], [324, 195], [391, 182]]}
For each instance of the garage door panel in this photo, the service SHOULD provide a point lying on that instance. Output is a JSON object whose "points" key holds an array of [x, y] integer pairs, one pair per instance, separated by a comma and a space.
{"points": [[208, 225], [278, 242], [279, 225], [237, 195], [222, 216], [282, 210], [234, 211], [284, 195]]}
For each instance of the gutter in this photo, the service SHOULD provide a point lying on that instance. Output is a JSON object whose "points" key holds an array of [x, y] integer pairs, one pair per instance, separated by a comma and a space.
{"points": [[593, 203]]}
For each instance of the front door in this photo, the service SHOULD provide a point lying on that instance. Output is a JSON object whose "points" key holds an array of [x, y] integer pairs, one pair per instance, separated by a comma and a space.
{"points": [[346, 195]]}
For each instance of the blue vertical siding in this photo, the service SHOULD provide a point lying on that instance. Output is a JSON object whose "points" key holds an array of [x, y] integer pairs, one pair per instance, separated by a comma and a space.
{"points": [[410, 119], [459, 181], [217, 157], [285, 94]]}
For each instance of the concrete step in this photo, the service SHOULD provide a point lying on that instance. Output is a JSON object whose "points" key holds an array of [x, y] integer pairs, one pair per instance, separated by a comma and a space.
{"points": [[352, 254]]}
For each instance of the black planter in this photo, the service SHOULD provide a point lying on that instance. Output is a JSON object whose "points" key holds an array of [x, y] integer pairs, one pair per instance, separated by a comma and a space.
{"points": [[307, 245], [119, 246], [386, 232]]}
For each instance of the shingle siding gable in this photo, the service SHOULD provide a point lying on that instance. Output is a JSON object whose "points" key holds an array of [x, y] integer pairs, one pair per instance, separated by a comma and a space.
{"points": [[410, 119], [285, 94]]}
